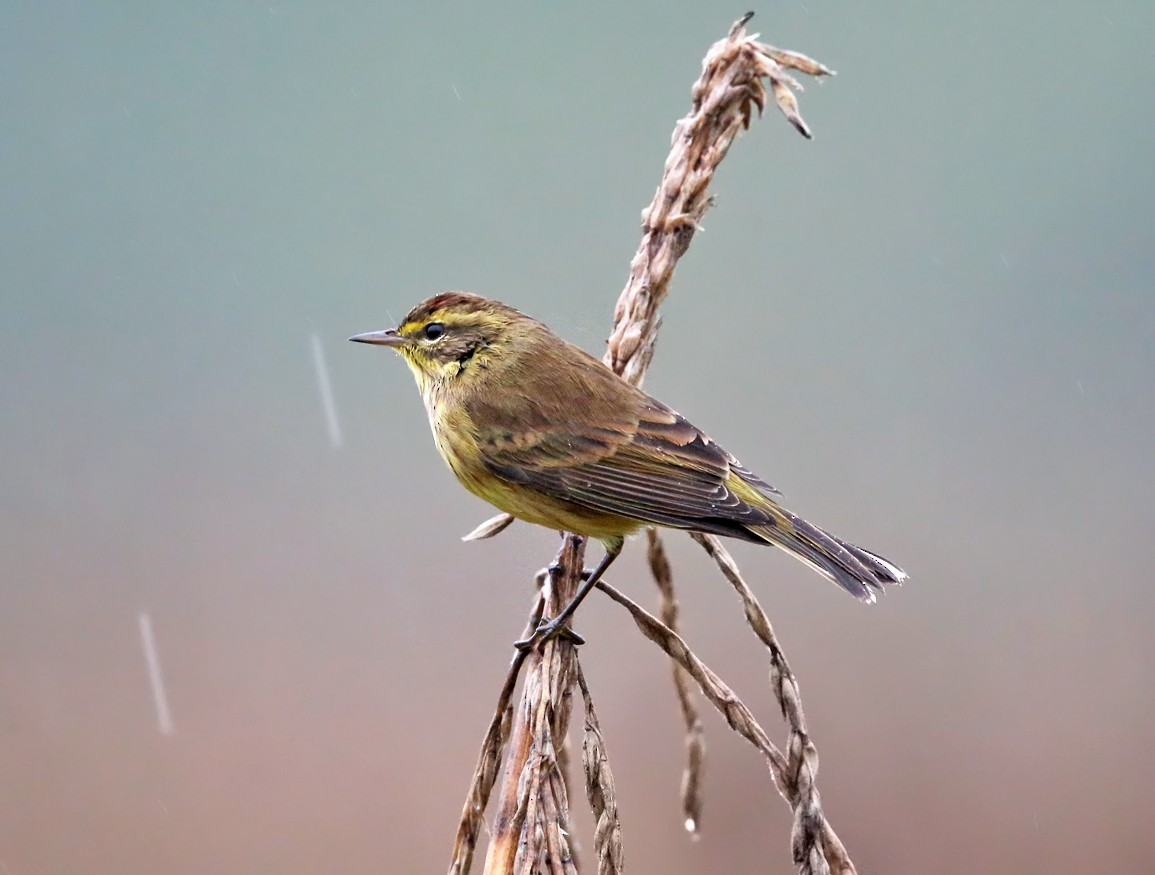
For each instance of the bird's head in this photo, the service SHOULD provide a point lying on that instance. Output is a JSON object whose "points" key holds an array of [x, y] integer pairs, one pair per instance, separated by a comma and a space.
{"points": [[450, 337]]}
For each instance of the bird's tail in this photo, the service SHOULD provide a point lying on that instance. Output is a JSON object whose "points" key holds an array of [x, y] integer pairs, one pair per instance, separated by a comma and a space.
{"points": [[860, 572]]}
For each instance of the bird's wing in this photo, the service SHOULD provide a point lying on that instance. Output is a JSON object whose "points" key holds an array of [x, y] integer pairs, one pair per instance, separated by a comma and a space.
{"points": [[651, 465], [668, 432]]}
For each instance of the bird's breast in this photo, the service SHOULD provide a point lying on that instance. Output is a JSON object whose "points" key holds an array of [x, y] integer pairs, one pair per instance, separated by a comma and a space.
{"points": [[456, 438], [453, 433]]}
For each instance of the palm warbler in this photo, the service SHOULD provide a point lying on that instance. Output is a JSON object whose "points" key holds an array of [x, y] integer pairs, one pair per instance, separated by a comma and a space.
{"points": [[549, 434]]}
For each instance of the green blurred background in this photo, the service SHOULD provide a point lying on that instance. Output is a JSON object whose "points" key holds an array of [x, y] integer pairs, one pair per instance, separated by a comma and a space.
{"points": [[933, 327]]}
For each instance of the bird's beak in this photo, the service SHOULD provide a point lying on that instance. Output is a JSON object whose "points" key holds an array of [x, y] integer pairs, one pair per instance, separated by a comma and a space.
{"points": [[389, 337]]}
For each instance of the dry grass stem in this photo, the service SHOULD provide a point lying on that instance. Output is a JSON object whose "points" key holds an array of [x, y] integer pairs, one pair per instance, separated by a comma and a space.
{"points": [[531, 824], [723, 100], [537, 784], [564, 776], [811, 830], [600, 791], [530, 830], [817, 848], [695, 737], [488, 760], [559, 859], [719, 694], [495, 525]]}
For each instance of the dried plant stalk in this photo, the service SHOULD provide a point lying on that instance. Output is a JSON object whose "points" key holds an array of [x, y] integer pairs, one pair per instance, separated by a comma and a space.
{"points": [[488, 760], [529, 833], [563, 777], [730, 87], [531, 826], [600, 789], [695, 737], [811, 832], [816, 847]]}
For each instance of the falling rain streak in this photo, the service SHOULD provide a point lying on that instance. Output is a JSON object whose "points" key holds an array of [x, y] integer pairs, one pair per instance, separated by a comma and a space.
{"points": [[155, 679], [326, 391]]}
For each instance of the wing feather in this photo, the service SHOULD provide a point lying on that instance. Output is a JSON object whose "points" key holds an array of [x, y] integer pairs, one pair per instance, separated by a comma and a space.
{"points": [[658, 468]]}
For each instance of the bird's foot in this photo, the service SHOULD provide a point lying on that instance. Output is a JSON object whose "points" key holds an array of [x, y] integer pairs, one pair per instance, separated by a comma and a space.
{"points": [[549, 629], [554, 569]]}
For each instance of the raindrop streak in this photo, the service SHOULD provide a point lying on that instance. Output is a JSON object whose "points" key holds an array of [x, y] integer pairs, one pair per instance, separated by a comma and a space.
{"points": [[148, 642], [326, 393]]}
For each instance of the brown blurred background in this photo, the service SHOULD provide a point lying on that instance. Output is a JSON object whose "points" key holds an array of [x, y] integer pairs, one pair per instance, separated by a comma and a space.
{"points": [[933, 327]]}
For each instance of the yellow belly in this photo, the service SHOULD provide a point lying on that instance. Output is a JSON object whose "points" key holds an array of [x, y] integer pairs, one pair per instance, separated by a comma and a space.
{"points": [[524, 502]]}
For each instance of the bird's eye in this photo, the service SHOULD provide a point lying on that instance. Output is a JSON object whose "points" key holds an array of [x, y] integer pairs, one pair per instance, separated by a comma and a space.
{"points": [[433, 330]]}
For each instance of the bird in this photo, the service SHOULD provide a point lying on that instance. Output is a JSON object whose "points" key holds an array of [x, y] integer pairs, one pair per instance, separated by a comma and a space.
{"points": [[549, 434]]}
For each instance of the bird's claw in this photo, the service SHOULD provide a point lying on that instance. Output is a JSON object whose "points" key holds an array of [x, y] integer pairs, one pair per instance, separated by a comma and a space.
{"points": [[553, 569], [549, 629]]}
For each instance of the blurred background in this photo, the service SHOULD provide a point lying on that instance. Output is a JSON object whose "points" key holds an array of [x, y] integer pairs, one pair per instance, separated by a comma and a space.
{"points": [[933, 327]]}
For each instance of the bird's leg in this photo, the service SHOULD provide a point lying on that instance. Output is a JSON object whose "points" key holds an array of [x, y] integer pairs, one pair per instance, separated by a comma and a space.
{"points": [[553, 568], [549, 628]]}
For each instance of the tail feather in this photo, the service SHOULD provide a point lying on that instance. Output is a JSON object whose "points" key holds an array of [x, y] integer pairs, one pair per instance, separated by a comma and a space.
{"points": [[885, 570], [858, 571]]}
